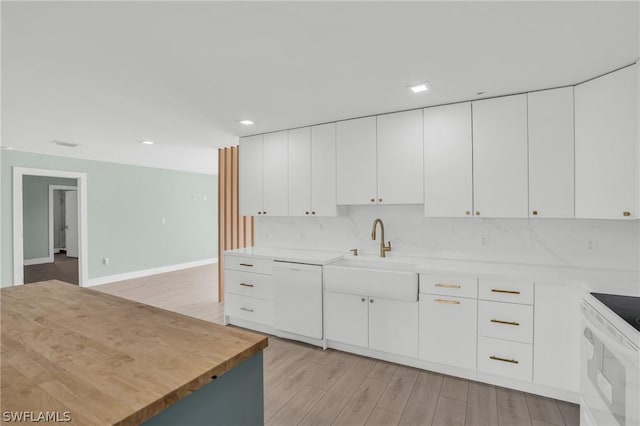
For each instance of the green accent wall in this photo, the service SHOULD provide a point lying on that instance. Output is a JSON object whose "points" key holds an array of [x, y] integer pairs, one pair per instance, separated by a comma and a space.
{"points": [[125, 207], [35, 213]]}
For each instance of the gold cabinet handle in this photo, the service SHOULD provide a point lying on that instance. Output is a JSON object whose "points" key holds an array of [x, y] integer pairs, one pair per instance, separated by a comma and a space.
{"points": [[535, 212], [250, 265], [380, 200], [467, 212], [448, 302], [497, 290], [246, 309], [246, 285], [306, 212], [497, 358], [626, 214], [447, 285], [313, 212], [505, 322], [477, 213], [373, 200]]}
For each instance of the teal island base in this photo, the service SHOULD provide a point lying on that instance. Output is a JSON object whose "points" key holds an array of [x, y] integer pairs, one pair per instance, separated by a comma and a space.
{"points": [[233, 399]]}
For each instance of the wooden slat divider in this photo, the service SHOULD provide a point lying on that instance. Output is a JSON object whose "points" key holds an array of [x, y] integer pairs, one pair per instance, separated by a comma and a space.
{"points": [[234, 230]]}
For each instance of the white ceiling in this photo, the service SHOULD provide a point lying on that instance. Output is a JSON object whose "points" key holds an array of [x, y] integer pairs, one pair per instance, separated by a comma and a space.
{"points": [[108, 74]]}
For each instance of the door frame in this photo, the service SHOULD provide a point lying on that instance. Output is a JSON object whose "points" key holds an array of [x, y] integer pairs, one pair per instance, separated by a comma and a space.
{"points": [[53, 188], [18, 243]]}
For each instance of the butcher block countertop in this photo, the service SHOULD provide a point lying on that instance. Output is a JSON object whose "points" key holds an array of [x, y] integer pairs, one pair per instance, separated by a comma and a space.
{"points": [[106, 360]]}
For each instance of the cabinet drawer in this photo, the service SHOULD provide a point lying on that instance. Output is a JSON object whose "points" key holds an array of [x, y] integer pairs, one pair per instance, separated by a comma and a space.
{"points": [[508, 321], [506, 291], [249, 264], [449, 285], [249, 284], [505, 358], [249, 308]]}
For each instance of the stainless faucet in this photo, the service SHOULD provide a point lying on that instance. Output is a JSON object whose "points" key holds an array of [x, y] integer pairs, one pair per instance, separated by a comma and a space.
{"points": [[383, 249]]}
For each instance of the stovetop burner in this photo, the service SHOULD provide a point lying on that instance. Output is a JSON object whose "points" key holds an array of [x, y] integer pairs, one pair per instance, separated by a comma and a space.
{"points": [[626, 307]]}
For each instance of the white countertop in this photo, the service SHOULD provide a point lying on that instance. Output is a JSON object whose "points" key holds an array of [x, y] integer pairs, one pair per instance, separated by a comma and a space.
{"points": [[315, 257], [592, 279]]}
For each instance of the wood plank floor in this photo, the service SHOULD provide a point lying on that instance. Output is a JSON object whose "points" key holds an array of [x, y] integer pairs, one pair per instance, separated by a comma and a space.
{"points": [[305, 385]]}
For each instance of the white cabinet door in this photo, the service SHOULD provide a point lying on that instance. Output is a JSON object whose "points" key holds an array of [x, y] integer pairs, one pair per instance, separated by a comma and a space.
{"points": [[356, 161], [500, 179], [300, 172], [393, 326], [551, 153], [448, 168], [250, 175], [557, 337], [275, 174], [346, 319], [400, 157], [607, 141], [448, 330], [323, 170]]}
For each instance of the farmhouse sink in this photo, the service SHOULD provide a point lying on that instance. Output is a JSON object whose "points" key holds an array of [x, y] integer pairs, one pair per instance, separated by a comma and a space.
{"points": [[389, 280]]}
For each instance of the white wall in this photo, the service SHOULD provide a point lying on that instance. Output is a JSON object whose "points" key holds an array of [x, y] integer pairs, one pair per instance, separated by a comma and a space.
{"points": [[562, 242]]}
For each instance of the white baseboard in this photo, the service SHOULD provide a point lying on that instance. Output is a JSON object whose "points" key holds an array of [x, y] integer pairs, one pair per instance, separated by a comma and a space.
{"points": [[38, 261], [146, 272]]}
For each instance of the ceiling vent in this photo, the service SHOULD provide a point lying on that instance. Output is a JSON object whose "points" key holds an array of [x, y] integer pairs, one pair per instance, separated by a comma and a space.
{"points": [[66, 144]]}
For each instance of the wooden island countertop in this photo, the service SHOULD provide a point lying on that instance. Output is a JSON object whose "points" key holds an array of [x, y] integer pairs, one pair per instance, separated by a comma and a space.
{"points": [[104, 359]]}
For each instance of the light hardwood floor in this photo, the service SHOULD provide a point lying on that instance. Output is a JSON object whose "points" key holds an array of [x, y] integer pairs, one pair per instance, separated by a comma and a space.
{"points": [[305, 385]]}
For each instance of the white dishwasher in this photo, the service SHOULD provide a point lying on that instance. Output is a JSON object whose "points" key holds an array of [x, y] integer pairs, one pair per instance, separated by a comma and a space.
{"points": [[297, 298]]}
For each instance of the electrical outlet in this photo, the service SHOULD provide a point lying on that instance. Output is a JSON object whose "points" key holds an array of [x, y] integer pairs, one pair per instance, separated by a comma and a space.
{"points": [[589, 245], [483, 241]]}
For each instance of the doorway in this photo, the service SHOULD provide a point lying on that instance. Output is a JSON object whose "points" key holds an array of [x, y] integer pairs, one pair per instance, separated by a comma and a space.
{"points": [[49, 226], [61, 205]]}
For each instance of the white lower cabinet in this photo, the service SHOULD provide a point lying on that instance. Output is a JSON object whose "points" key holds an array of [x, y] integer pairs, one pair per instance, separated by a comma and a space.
{"points": [[346, 318], [557, 337], [448, 330], [384, 325], [505, 358], [393, 326]]}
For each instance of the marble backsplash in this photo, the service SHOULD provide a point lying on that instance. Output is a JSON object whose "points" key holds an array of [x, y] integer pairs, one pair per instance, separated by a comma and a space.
{"points": [[610, 244]]}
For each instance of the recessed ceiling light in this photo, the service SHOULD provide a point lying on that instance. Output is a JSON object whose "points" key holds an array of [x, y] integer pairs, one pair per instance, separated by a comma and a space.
{"points": [[246, 122], [419, 88], [147, 142]]}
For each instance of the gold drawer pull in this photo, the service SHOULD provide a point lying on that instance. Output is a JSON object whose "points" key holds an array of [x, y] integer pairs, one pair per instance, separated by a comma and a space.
{"points": [[626, 214], [250, 265], [497, 358], [246, 285], [505, 322], [449, 302], [497, 290], [447, 285], [246, 309]]}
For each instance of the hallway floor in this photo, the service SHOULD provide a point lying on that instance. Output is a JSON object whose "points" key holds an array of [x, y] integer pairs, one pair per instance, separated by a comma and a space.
{"points": [[63, 268]]}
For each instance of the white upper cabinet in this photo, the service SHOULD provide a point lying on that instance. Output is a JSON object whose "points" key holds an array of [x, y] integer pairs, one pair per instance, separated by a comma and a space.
{"points": [[551, 153], [323, 170], [312, 171], [399, 158], [500, 178], [448, 169], [300, 172], [250, 176], [275, 174], [607, 141], [356, 161]]}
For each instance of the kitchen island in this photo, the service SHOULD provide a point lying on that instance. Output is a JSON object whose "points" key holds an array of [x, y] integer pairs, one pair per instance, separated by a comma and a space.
{"points": [[79, 355]]}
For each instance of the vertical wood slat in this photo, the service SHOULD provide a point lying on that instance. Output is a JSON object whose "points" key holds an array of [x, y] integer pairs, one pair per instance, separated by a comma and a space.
{"points": [[234, 231]]}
